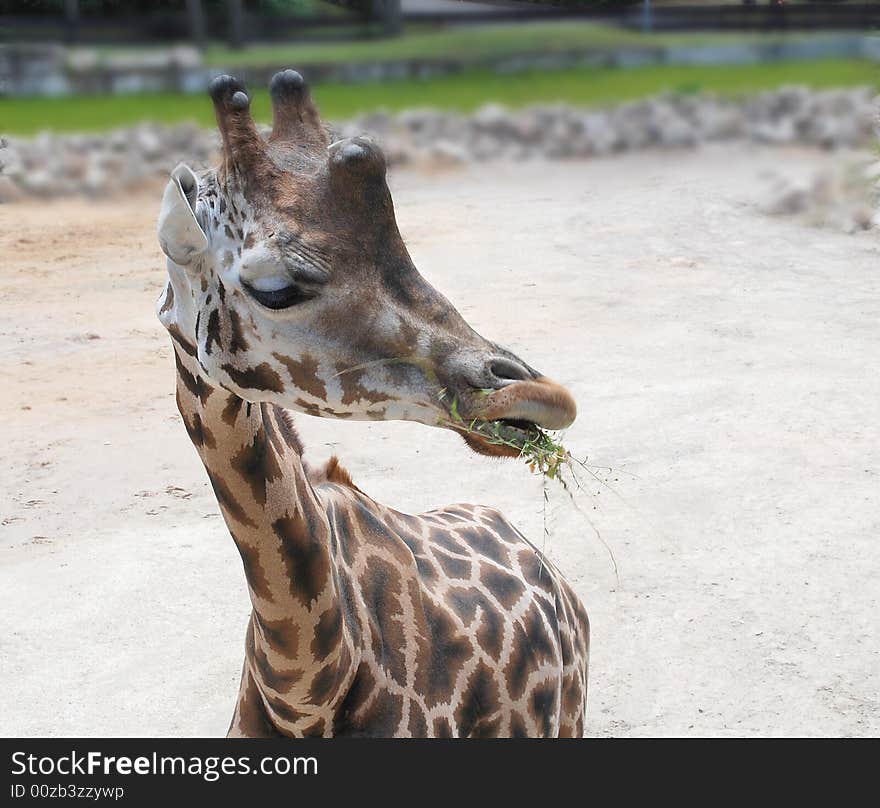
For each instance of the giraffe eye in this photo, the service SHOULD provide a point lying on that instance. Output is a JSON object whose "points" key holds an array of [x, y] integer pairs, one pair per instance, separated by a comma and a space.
{"points": [[282, 298]]}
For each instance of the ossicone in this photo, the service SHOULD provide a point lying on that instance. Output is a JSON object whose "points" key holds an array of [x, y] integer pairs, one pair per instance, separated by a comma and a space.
{"points": [[244, 151], [295, 119], [358, 156]]}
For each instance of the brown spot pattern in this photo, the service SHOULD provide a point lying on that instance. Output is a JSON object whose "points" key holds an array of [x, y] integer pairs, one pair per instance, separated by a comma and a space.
{"points": [[365, 622], [305, 558], [258, 466], [353, 391], [304, 374], [261, 377], [237, 340]]}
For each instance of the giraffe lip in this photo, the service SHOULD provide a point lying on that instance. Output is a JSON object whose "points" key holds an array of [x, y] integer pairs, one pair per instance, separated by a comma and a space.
{"points": [[503, 421], [538, 403]]}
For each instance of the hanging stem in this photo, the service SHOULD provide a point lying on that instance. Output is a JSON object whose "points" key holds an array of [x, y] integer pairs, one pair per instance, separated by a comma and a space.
{"points": [[544, 454]]}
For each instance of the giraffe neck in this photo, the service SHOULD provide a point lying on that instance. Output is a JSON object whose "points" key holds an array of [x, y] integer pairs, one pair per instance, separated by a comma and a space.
{"points": [[298, 650]]}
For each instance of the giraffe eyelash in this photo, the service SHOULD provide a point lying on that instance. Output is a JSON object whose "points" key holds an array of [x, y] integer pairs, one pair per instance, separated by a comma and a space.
{"points": [[305, 272], [278, 299]]}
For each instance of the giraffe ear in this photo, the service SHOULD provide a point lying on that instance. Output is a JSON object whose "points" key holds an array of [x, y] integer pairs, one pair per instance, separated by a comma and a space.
{"points": [[180, 235]]}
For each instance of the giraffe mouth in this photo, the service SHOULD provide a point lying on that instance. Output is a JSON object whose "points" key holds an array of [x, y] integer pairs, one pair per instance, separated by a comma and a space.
{"points": [[506, 421], [502, 437]]}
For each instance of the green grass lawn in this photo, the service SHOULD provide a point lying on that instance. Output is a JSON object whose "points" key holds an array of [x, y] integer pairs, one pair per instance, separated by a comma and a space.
{"points": [[465, 43], [466, 91], [473, 43]]}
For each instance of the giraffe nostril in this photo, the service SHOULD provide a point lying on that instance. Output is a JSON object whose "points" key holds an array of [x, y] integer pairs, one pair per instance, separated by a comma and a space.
{"points": [[506, 370]]}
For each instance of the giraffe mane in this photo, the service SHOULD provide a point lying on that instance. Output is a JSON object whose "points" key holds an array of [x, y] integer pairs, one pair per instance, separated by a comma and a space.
{"points": [[332, 472]]}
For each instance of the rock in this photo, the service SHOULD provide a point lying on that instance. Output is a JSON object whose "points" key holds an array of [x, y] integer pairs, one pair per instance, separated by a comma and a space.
{"points": [[378, 122], [9, 191], [493, 119], [787, 199], [841, 200], [118, 140], [862, 218], [418, 120], [40, 183], [598, 134], [445, 154], [148, 142], [719, 121], [776, 132], [674, 130], [397, 151], [96, 180]]}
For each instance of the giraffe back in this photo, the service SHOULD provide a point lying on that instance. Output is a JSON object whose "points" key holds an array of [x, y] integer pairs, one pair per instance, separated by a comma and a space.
{"points": [[463, 628]]}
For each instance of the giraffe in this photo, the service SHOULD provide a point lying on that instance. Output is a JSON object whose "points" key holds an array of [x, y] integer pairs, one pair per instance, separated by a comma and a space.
{"points": [[290, 290]]}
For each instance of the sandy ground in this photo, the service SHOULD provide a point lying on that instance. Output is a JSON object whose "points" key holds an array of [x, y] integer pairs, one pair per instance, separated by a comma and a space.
{"points": [[726, 369]]}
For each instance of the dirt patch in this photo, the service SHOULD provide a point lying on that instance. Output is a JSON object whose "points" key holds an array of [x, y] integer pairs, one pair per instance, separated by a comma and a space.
{"points": [[724, 366]]}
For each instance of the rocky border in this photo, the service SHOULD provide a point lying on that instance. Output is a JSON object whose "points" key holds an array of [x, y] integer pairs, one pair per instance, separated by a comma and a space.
{"points": [[51, 165]]}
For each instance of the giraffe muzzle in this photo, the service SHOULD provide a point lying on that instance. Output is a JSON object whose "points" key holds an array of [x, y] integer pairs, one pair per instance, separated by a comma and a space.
{"points": [[503, 387], [500, 422]]}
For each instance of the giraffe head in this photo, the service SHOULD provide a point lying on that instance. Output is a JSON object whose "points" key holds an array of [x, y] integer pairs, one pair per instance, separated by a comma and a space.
{"points": [[289, 283]]}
